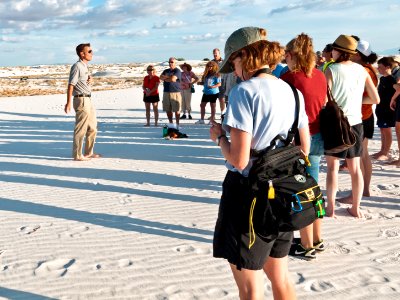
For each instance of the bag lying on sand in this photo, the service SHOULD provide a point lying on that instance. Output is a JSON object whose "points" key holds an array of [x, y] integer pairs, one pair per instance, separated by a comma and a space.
{"points": [[173, 133]]}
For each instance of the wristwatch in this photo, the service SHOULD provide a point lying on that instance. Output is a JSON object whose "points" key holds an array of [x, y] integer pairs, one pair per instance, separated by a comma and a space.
{"points": [[218, 140]]}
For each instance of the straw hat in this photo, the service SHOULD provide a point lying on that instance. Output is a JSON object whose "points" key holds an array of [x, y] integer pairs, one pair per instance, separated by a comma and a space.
{"points": [[237, 40], [188, 67], [345, 43]]}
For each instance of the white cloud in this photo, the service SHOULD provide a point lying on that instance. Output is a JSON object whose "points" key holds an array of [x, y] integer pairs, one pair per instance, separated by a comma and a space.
{"points": [[204, 37], [7, 39], [117, 33], [170, 24]]}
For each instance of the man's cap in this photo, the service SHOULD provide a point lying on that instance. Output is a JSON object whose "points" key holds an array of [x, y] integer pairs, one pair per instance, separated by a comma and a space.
{"points": [[364, 47]]}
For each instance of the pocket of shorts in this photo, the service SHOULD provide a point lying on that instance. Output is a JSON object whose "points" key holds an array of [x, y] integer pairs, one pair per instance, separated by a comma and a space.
{"points": [[78, 103]]}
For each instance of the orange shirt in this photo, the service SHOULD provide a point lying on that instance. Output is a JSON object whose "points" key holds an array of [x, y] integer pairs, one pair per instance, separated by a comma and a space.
{"points": [[366, 109]]}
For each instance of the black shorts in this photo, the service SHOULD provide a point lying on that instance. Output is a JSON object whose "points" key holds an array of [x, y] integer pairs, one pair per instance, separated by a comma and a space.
{"points": [[368, 127], [151, 99], [210, 98], [356, 150], [231, 236]]}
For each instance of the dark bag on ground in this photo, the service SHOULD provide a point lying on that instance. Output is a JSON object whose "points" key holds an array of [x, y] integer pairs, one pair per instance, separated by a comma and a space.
{"points": [[286, 197], [335, 128], [173, 133]]}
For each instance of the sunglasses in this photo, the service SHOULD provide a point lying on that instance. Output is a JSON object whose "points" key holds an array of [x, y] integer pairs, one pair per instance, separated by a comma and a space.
{"points": [[90, 51], [149, 70], [171, 62]]}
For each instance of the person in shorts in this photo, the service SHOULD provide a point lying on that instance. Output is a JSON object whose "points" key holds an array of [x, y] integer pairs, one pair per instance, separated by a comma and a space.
{"points": [[172, 98], [211, 80], [253, 104], [150, 94], [347, 81]]}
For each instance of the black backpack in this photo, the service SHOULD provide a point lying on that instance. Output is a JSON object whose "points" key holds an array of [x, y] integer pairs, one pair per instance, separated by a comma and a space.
{"points": [[285, 196]]}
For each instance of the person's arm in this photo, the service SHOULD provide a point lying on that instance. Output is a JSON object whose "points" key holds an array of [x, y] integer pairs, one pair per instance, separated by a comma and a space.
{"points": [[305, 139], [372, 96], [328, 76], [68, 105], [236, 151], [395, 96], [154, 88], [194, 78]]}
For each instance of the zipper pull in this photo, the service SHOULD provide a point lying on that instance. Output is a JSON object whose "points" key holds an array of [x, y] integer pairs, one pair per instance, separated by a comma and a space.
{"points": [[271, 190]]}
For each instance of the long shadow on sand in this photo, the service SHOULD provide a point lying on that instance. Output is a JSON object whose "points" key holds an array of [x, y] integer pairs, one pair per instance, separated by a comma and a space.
{"points": [[53, 138], [112, 175], [62, 183], [107, 220], [16, 294]]}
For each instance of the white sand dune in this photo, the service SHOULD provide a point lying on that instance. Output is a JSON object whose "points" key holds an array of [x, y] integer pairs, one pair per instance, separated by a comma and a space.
{"points": [[138, 223]]}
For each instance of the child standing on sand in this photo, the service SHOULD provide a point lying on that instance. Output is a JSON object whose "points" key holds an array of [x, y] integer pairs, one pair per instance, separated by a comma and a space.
{"points": [[211, 81]]}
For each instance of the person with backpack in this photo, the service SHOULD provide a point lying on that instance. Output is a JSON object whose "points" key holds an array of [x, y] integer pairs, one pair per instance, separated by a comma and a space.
{"points": [[260, 108], [311, 82], [347, 81]]}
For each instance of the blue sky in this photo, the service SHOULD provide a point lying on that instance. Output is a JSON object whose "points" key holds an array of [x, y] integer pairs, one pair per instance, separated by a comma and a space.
{"points": [[123, 31]]}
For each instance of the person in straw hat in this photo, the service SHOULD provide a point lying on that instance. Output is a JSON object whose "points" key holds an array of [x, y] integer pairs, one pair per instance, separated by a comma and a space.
{"points": [[253, 119], [347, 81]]}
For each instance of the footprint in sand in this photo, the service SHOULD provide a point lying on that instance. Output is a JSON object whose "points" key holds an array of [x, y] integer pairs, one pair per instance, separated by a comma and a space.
{"points": [[125, 199], [55, 268], [175, 293], [392, 258], [28, 229], [216, 293], [318, 286], [191, 249], [349, 247], [123, 263], [390, 233], [76, 231], [387, 187]]}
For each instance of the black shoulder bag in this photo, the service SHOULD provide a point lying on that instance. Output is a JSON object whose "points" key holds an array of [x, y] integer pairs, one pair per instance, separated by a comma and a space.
{"points": [[286, 197]]}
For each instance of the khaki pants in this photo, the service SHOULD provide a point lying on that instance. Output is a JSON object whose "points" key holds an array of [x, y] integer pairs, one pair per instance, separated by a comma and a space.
{"points": [[186, 100], [85, 125]]}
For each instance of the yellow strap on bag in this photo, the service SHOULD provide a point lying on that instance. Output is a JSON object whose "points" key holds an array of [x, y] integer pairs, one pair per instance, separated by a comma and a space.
{"points": [[252, 234]]}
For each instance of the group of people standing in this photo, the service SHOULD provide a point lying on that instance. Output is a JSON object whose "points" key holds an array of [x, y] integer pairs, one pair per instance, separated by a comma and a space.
{"points": [[179, 85], [261, 107]]}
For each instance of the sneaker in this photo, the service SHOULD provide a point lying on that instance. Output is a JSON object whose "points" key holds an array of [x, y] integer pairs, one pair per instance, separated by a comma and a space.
{"points": [[319, 246], [299, 251], [200, 122], [183, 117], [190, 116]]}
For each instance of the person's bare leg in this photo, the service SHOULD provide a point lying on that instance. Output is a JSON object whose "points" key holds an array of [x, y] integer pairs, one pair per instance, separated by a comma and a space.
{"points": [[278, 273], [249, 282], [386, 143], [331, 183], [398, 139], [380, 152], [177, 116], [155, 109], [147, 113], [169, 115], [212, 105], [366, 168], [306, 236], [317, 230], [221, 104], [202, 110], [357, 185]]}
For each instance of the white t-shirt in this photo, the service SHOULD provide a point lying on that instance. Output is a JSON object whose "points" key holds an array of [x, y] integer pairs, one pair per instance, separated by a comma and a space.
{"points": [[348, 82], [263, 107]]}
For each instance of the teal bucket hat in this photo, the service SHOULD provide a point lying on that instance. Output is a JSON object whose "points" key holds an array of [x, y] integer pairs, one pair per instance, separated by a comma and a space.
{"points": [[237, 40]]}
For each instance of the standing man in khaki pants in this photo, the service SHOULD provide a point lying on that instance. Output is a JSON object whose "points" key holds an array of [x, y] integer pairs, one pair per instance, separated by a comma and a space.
{"points": [[85, 120]]}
